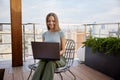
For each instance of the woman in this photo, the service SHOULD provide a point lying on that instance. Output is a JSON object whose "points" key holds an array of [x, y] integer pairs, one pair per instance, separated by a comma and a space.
{"points": [[45, 69]]}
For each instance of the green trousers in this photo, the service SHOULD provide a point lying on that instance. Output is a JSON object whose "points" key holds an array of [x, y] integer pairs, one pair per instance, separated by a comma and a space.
{"points": [[46, 69]]}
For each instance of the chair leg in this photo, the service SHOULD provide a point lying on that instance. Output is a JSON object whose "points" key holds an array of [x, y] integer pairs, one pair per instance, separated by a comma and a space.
{"points": [[61, 76], [29, 74], [72, 74]]}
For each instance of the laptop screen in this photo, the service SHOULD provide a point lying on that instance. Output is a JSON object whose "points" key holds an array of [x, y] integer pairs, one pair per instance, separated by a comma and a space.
{"points": [[46, 50]]}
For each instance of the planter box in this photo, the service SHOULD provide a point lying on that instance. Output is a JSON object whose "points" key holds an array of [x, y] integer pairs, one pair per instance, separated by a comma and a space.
{"points": [[108, 64]]}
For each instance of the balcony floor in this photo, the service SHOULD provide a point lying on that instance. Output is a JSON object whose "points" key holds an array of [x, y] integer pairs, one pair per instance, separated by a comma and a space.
{"points": [[81, 71]]}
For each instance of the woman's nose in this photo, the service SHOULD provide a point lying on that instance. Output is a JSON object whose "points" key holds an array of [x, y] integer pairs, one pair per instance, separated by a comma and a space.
{"points": [[51, 22]]}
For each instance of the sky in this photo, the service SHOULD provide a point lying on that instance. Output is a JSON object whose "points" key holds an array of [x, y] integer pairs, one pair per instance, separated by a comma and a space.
{"points": [[68, 11]]}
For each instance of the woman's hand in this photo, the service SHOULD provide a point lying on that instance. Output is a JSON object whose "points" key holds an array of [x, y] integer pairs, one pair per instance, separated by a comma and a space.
{"points": [[63, 41], [62, 52]]}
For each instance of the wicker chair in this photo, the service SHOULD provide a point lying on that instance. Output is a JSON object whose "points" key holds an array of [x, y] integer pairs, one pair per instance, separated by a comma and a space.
{"points": [[69, 55]]}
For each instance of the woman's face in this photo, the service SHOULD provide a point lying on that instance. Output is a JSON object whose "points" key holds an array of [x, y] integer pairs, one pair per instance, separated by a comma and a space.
{"points": [[51, 22]]}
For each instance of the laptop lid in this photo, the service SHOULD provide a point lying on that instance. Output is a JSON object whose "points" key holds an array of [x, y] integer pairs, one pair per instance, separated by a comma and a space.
{"points": [[46, 50]]}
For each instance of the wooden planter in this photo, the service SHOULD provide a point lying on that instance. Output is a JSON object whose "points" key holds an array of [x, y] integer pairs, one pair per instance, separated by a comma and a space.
{"points": [[108, 64]]}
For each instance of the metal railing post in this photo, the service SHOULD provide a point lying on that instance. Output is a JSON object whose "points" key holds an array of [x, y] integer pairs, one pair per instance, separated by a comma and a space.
{"points": [[23, 42]]}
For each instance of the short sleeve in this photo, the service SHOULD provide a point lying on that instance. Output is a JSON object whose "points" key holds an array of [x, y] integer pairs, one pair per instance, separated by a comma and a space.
{"points": [[43, 36], [61, 34]]}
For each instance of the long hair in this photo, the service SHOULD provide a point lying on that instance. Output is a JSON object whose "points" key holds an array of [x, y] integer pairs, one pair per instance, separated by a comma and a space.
{"points": [[57, 28]]}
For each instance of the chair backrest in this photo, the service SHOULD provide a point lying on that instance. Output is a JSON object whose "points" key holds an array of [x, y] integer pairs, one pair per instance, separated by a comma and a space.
{"points": [[69, 52]]}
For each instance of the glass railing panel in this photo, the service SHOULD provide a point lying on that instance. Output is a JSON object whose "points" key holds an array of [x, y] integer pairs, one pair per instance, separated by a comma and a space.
{"points": [[33, 32], [5, 48], [103, 30], [5, 41]]}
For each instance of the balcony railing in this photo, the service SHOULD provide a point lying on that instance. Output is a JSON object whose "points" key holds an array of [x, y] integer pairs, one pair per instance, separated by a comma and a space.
{"points": [[33, 32]]}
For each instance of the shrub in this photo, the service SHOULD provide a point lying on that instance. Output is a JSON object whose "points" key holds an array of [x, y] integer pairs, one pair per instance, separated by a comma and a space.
{"points": [[108, 46]]}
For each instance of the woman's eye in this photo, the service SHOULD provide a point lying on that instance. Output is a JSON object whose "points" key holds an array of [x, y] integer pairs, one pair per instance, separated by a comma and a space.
{"points": [[51, 21]]}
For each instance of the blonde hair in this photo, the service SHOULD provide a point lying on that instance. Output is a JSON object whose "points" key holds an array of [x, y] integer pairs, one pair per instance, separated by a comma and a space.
{"points": [[57, 28]]}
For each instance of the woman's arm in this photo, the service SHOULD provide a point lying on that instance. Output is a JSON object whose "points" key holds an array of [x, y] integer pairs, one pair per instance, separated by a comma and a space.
{"points": [[63, 41], [43, 40]]}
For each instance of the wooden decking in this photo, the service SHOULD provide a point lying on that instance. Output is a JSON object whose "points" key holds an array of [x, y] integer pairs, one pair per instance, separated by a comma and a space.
{"points": [[81, 71]]}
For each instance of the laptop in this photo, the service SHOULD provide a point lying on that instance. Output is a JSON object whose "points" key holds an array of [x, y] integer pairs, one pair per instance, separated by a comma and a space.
{"points": [[46, 50]]}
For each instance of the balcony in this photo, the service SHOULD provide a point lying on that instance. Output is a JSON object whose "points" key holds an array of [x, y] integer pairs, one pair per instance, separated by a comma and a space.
{"points": [[32, 32]]}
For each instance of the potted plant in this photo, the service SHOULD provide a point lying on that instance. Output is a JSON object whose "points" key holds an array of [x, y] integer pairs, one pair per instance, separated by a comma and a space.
{"points": [[103, 54]]}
